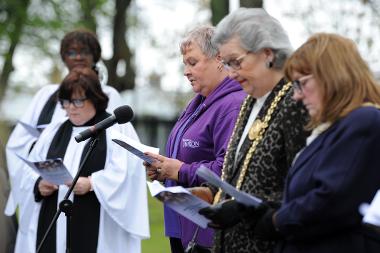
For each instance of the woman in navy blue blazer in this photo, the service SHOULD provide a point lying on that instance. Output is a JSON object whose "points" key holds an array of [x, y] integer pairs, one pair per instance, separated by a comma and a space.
{"points": [[340, 166]]}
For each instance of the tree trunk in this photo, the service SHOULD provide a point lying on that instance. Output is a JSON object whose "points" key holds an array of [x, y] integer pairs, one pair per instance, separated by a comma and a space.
{"points": [[251, 3], [219, 9], [121, 51], [88, 8], [17, 16]]}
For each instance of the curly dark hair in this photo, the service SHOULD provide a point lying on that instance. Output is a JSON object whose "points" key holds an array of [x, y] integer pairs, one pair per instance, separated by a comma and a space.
{"points": [[84, 80], [84, 37]]}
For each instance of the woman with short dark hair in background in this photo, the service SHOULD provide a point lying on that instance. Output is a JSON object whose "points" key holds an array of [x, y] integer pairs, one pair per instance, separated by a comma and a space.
{"points": [[201, 133], [109, 212]]}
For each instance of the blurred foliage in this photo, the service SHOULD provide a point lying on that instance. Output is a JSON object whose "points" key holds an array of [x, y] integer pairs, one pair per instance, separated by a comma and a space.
{"points": [[251, 3], [40, 24], [355, 19], [5, 129], [12, 21], [219, 9]]}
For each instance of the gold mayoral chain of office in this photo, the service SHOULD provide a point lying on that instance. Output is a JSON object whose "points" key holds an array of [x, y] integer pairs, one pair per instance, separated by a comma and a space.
{"points": [[256, 133]]}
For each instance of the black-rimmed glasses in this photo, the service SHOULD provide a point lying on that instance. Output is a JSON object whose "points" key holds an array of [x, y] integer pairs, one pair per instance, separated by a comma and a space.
{"points": [[72, 54], [77, 102]]}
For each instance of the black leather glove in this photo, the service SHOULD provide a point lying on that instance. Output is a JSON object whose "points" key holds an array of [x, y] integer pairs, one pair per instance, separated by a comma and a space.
{"points": [[264, 227], [223, 215]]}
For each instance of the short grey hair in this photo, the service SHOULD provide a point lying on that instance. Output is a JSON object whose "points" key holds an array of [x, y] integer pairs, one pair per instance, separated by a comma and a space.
{"points": [[202, 36], [256, 30]]}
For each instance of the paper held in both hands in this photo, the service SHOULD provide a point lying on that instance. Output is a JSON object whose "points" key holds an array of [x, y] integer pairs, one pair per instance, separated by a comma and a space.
{"points": [[183, 202], [51, 170]]}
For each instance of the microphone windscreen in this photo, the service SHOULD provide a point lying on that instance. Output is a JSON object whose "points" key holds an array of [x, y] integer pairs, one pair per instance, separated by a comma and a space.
{"points": [[123, 114]]}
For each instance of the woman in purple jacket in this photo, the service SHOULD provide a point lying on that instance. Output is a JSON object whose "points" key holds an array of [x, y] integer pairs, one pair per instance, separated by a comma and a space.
{"points": [[201, 133]]}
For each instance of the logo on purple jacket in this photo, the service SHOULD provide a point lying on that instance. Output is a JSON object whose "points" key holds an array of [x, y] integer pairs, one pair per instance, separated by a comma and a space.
{"points": [[188, 143]]}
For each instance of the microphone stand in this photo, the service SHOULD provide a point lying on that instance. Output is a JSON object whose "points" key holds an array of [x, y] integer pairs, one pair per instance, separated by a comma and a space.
{"points": [[66, 204]]}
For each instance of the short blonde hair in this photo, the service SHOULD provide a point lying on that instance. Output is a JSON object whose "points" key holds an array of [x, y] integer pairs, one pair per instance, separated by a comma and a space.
{"points": [[202, 37], [345, 80]]}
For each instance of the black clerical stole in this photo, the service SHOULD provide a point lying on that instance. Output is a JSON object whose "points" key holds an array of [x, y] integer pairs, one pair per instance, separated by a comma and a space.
{"points": [[86, 208]]}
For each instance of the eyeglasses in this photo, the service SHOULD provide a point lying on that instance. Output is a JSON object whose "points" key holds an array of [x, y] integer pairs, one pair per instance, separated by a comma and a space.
{"points": [[77, 102], [235, 64], [299, 84], [72, 54]]}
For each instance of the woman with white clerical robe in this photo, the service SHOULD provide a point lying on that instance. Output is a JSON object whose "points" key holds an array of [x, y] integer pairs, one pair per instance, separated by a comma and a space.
{"points": [[79, 48], [109, 203]]}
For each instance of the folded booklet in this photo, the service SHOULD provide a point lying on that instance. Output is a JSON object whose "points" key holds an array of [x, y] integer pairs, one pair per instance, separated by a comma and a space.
{"points": [[135, 147], [180, 200], [52, 170], [215, 180], [34, 131]]}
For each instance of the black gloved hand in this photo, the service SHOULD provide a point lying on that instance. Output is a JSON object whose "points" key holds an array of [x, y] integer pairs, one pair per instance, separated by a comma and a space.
{"points": [[264, 227], [223, 215]]}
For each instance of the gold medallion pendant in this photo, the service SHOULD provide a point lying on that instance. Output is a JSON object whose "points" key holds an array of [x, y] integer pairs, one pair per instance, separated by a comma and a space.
{"points": [[255, 129]]}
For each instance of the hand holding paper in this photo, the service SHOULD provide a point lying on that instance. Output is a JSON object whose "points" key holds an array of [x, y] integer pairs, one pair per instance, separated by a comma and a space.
{"points": [[164, 167], [45, 188]]}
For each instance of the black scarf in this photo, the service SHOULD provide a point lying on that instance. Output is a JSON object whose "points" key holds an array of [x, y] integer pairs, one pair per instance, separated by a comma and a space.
{"points": [[47, 112], [86, 208]]}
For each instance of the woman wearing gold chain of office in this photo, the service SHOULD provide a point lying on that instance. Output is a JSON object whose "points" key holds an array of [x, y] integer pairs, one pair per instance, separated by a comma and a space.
{"points": [[270, 128]]}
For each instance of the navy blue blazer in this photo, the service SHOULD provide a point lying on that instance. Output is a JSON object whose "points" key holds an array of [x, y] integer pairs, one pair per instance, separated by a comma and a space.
{"points": [[337, 172]]}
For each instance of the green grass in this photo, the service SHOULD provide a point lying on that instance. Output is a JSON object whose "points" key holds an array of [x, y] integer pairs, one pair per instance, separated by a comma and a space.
{"points": [[157, 243]]}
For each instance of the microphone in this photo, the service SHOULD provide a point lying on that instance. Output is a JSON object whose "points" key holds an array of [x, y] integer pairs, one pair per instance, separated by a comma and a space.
{"points": [[121, 115]]}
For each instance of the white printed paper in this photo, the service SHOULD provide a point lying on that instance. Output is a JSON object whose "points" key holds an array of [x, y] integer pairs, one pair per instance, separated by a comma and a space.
{"points": [[136, 147], [51, 170], [371, 212], [180, 200], [241, 197]]}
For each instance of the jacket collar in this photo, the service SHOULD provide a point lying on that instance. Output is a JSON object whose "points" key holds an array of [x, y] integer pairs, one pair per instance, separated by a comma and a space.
{"points": [[308, 151]]}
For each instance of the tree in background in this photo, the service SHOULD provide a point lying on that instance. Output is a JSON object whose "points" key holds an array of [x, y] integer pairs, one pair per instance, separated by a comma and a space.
{"points": [[251, 3], [13, 16], [40, 24], [220, 8], [356, 19], [122, 55]]}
